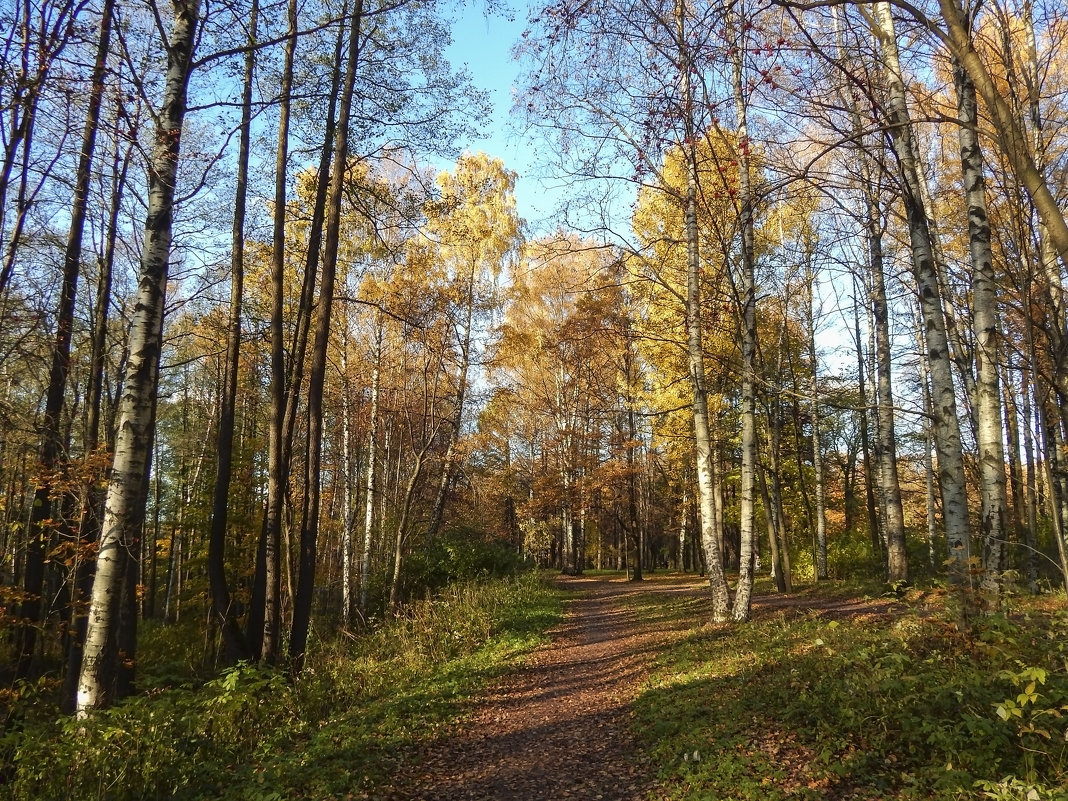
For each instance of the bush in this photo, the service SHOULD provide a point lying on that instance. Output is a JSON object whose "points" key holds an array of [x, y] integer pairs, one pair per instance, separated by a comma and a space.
{"points": [[902, 706], [461, 554]]}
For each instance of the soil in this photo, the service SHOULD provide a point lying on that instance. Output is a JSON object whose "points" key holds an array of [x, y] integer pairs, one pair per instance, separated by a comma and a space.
{"points": [[559, 726]]}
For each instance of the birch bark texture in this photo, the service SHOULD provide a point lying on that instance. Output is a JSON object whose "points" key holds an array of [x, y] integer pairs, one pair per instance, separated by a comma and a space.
{"points": [[989, 432], [944, 402], [124, 506], [745, 286], [710, 541]]}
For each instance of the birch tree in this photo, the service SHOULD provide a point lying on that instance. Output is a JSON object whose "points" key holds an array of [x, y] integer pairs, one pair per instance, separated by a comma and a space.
{"points": [[476, 229], [125, 503], [992, 488], [944, 404]]}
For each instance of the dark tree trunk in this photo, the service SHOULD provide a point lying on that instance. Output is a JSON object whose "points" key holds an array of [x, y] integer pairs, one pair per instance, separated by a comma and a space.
{"points": [[51, 457], [234, 646], [302, 604]]}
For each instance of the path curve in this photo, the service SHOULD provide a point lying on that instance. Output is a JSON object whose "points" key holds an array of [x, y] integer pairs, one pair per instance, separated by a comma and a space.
{"points": [[558, 727]]}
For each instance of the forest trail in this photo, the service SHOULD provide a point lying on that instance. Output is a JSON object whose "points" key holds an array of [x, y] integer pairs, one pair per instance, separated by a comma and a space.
{"points": [[558, 727]]}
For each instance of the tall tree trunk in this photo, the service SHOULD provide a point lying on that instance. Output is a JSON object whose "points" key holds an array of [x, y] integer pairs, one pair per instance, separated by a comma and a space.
{"points": [[234, 647], [947, 430], [51, 450], [93, 504], [885, 467], [633, 530], [348, 482], [401, 533], [893, 516], [448, 467], [299, 343], [317, 374], [684, 545], [814, 412], [1010, 135], [1030, 479], [773, 541], [865, 434], [989, 434], [929, 448], [695, 341], [773, 491], [129, 614], [372, 444], [125, 505], [958, 349], [264, 625], [746, 287], [1016, 480]]}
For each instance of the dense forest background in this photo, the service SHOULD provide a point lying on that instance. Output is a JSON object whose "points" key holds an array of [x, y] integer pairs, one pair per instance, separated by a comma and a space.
{"points": [[266, 375]]}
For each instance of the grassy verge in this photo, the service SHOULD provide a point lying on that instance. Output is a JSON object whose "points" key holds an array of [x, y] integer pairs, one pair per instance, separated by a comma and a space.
{"points": [[900, 704], [339, 731]]}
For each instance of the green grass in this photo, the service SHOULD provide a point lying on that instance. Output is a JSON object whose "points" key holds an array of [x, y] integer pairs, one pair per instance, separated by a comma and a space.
{"points": [[902, 705], [791, 706], [338, 731]]}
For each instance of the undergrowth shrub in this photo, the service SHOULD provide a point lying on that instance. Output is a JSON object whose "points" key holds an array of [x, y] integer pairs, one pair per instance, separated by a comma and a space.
{"points": [[253, 733], [904, 707], [850, 555], [460, 554]]}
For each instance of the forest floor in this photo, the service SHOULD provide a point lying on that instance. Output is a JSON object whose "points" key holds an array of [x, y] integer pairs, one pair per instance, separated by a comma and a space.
{"points": [[560, 726]]}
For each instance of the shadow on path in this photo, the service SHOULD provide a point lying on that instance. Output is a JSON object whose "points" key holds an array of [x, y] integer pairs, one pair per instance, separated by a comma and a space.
{"points": [[559, 726]]}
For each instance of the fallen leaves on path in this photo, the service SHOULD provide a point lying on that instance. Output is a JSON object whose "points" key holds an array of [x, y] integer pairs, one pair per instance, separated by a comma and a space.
{"points": [[556, 728], [559, 727]]}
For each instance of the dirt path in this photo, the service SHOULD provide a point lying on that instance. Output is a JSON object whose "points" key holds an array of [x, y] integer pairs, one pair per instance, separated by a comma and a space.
{"points": [[558, 727]]}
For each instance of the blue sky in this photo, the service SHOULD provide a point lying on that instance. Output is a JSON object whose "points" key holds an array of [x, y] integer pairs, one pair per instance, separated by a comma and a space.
{"points": [[484, 43]]}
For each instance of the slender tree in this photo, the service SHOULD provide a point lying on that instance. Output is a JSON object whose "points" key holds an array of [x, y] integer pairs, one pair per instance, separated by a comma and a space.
{"points": [[51, 449], [309, 533], [127, 488], [222, 605], [992, 488], [944, 406]]}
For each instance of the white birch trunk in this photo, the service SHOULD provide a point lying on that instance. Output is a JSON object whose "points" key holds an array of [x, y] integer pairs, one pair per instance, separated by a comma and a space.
{"points": [[947, 430], [695, 347], [747, 300], [929, 459], [989, 432], [814, 412], [683, 543], [891, 512], [369, 487], [127, 489], [1012, 138]]}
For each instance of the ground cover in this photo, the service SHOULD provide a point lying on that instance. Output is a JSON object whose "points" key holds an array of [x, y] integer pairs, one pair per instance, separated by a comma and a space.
{"points": [[490, 692], [252, 734], [824, 696]]}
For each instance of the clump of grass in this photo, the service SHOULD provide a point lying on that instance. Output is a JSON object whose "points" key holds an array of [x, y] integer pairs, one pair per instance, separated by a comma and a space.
{"points": [[252, 733], [888, 705]]}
